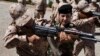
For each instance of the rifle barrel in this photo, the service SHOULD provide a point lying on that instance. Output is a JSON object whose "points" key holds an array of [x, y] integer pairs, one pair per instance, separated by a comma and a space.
{"points": [[96, 13], [53, 31], [79, 33]]}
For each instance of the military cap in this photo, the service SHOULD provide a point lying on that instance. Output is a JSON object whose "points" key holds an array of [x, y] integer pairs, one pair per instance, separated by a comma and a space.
{"points": [[82, 4], [25, 18], [91, 7], [65, 8], [16, 10]]}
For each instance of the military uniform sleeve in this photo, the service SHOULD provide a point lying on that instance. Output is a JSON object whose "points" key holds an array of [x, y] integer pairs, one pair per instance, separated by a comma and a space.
{"points": [[78, 21], [11, 30], [11, 38]]}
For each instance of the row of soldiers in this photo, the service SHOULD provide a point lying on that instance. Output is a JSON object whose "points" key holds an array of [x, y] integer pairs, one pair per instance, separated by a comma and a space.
{"points": [[65, 13]]}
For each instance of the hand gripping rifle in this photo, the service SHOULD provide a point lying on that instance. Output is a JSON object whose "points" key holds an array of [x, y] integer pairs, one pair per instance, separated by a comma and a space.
{"points": [[44, 31]]}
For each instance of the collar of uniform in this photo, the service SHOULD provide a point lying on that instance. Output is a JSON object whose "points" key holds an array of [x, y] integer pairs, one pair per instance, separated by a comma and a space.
{"points": [[57, 24]]}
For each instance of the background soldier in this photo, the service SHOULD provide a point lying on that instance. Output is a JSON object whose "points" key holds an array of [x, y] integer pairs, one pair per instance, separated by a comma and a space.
{"points": [[95, 5], [98, 2], [55, 5], [40, 9], [21, 35], [54, 8], [84, 21], [74, 5]]}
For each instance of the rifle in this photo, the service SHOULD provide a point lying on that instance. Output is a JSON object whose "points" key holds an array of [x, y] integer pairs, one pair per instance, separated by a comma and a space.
{"points": [[95, 13], [92, 13], [44, 31], [89, 13], [49, 32]]}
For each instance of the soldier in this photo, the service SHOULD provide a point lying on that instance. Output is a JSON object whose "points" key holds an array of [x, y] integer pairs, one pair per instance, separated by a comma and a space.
{"points": [[98, 2], [40, 9], [84, 21], [93, 5], [21, 35], [55, 5], [65, 41], [74, 5]]}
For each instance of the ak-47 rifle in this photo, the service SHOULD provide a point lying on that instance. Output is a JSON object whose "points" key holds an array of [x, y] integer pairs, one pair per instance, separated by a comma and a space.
{"points": [[92, 13], [49, 32], [89, 14], [83, 14], [95, 13], [44, 31]]}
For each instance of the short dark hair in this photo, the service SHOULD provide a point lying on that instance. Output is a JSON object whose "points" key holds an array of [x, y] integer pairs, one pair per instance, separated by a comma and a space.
{"points": [[65, 9]]}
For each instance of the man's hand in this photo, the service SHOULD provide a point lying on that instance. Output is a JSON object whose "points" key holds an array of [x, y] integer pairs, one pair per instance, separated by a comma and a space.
{"points": [[33, 38], [93, 19], [65, 37]]}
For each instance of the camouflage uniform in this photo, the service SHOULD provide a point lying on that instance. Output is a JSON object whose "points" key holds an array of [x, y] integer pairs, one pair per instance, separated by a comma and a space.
{"points": [[85, 23], [98, 3], [55, 5], [75, 5], [62, 1], [18, 32], [65, 41], [40, 9]]}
